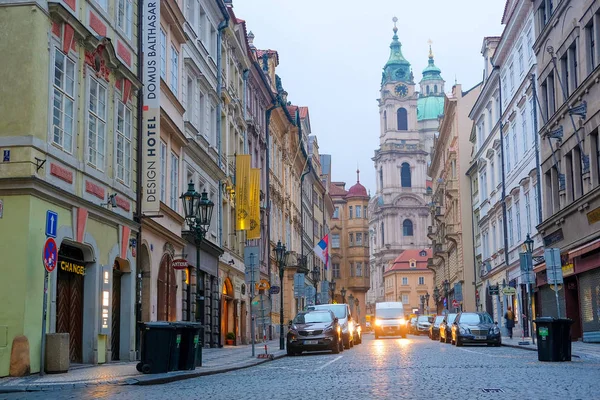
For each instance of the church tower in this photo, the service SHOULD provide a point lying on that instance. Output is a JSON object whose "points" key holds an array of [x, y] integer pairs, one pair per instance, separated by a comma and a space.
{"points": [[399, 211]]}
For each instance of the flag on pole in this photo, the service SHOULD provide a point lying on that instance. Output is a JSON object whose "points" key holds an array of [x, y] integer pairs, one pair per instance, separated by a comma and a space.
{"points": [[321, 250]]}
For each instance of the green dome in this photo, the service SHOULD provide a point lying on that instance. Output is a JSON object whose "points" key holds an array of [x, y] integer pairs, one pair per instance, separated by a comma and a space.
{"points": [[431, 71], [430, 107], [397, 67]]}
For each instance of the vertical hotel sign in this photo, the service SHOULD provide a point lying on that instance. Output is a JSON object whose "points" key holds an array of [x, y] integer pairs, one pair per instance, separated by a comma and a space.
{"points": [[151, 108], [242, 191], [254, 232]]}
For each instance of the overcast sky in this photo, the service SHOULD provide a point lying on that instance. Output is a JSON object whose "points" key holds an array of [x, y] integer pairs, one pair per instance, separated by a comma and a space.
{"points": [[331, 56]]}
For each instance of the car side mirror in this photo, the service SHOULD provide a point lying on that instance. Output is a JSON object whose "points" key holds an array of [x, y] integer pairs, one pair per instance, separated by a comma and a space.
{"points": [[335, 320], [290, 322]]}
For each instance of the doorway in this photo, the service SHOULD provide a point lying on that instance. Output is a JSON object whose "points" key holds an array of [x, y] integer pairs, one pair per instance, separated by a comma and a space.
{"points": [[571, 288], [167, 291], [115, 341], [227, 323], [69, 299]]}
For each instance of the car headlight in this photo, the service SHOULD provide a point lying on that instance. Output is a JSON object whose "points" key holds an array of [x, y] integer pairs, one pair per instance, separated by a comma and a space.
{"points": [[378, 322], [402, 321], [464, 331], [329, 329], [495, 330]]}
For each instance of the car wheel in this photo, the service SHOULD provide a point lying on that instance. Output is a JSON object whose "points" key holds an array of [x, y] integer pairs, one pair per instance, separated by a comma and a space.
{"points": [[352, 343], [498, 344], [336, 348], [290, 352], [441, 339], [376, 336], [447, 339], [346, 344], [458, 342], [341, 345]]}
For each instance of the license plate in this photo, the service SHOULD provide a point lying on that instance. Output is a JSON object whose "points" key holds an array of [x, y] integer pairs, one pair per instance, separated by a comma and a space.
{"points": [[311, 342], [480, 337]]}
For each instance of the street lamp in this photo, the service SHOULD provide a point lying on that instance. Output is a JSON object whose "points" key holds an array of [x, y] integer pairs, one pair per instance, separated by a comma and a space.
{"points": [[356, 302], [436, 297], [280, 258], [529, 248], [197, 210], [351, 302], [343, 292], [422, 304], [332, 290], [427, 301], [316, 277]]}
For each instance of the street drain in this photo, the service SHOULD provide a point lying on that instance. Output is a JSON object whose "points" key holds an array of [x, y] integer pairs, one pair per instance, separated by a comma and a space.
{"points": [[492, 390]]}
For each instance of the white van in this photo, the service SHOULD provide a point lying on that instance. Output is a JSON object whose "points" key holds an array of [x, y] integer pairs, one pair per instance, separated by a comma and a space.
{"points": [[389, 319]]}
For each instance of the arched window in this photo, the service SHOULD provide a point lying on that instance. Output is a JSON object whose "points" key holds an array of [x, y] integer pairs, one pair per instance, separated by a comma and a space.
{"points": [[427, 89], [381, 178], [382, 235], [402, 119], [407, 227], [384, 120], [434, 88], [405, 179]]}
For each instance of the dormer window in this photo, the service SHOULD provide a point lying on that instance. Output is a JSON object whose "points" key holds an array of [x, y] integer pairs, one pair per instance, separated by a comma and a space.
{"points": [[422, 253], [413, 264]]}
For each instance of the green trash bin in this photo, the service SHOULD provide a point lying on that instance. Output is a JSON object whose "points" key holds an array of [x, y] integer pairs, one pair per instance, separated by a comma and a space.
{"points": [[175, 347], [554, 338], [190, 339], [157, 339]]}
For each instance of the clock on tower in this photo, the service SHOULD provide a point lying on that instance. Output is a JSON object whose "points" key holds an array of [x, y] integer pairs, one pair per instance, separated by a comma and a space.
{"points": [[401, 90]]}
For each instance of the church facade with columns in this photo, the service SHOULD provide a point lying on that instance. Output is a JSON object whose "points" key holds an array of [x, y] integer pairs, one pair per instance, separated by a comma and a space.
{"points": [[399, 210]]}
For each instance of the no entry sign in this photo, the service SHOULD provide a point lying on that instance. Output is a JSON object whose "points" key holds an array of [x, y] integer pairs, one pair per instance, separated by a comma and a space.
{"points": [[50, 255]]}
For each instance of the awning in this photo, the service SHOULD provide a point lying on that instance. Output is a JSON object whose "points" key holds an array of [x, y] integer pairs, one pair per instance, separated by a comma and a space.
{"points": [[539, 268], [581, 250]]}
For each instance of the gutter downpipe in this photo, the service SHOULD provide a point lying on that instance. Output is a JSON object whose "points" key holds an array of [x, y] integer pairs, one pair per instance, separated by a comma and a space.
{"points": [[139, 186], [220, 29]]}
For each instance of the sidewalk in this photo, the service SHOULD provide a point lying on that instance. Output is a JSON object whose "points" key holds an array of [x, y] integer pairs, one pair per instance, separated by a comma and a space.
{"points": [[214, 361], [578, 349]]}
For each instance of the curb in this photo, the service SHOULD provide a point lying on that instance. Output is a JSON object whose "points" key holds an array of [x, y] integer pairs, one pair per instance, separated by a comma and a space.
{"points": [[516, 346], [136, 381]]}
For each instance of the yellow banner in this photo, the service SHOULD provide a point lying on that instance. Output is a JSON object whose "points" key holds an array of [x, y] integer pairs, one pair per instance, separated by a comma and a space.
{"points": [[254, 232], [242, 192]]}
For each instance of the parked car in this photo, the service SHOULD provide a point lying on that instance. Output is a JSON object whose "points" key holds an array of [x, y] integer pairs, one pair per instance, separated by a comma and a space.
{"points": [[434, 329], [314, 331], [342, 313], [475, 328], [446, 328], [423, 324], [412, 326]]}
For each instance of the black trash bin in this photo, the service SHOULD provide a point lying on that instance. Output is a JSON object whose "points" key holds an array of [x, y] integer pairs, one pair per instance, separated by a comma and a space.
{"points": [[190, 339], [175, 347], [157, 340], [554, 338]]}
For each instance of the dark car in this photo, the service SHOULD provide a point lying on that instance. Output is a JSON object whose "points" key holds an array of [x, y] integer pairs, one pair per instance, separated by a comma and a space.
{"points": [[314, 331], [475, 328], [434, 329], [446, 328]]}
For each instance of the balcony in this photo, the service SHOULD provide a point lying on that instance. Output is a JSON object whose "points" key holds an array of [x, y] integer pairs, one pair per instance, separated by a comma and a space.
{"points": [[359, 283], [452, 187]]}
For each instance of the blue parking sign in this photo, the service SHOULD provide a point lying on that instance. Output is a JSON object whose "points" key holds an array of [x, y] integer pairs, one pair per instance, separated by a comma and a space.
{"points": [[51, 223]]}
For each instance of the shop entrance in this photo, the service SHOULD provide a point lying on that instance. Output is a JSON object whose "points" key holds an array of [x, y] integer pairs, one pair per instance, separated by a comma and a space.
{"points": [[69, 298], [167, 290], [115, 332], [571, 289]]}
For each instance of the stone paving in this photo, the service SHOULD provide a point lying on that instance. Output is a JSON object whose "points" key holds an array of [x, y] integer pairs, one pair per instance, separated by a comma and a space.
{"points": [[214, 360], [390, 368]]}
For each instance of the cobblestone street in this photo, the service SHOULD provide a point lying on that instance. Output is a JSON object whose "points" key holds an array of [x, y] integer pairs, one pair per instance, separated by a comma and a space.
{"points": [[414, 368]]}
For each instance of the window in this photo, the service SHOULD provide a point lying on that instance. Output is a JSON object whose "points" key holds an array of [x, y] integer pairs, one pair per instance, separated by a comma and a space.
{"points": [[351, 239], [492, 174], [335, 241], [528, 213], [590, 45], [518, 215], [499, 172], [511, 75], [335, 270], [513, 128], [494, 238], [407, 227], [163, 171], [358, 269], [64, 101], [535, 206], [405, 298], [382, 234], [358, 210], [163, 55], [350, 215], [384, 120], [125, 16], [124, 120], [510, 226], [174, 70], [96, 124], [521, 64], [531, 111], [427, 90], [359, 240], [421, 280], [484, 190], [404, 280], [174, 181], [336, 212], [507, 152], [402, 119], [530, 43], [380, 178], [405, 175], [103, 4], [524, 133], [434, 88], [351, 269]]}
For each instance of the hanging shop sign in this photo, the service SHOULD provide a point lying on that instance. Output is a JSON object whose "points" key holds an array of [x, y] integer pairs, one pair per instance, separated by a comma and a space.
{"points": [[180, 264], [72, 267]]}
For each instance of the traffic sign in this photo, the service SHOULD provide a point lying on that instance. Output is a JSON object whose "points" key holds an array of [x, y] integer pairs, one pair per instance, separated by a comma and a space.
{"points": [[263, 285], [51, 223], [274, 290], [509, 291], [455, 303], [50, 255]]}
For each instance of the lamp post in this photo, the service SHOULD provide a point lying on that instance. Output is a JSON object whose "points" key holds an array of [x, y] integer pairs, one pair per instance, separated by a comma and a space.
{"points": [[356, 302], [436, 297], [316, 277], [197, 210], [529, 251], [422, 298], [332, 290], [427, 301], [280, 257], [351, 302], [343, 292], [446, 292]]}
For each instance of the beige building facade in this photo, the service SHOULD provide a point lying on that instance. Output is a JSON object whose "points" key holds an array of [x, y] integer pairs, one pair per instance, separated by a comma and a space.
{"points": [[409, 280]]}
